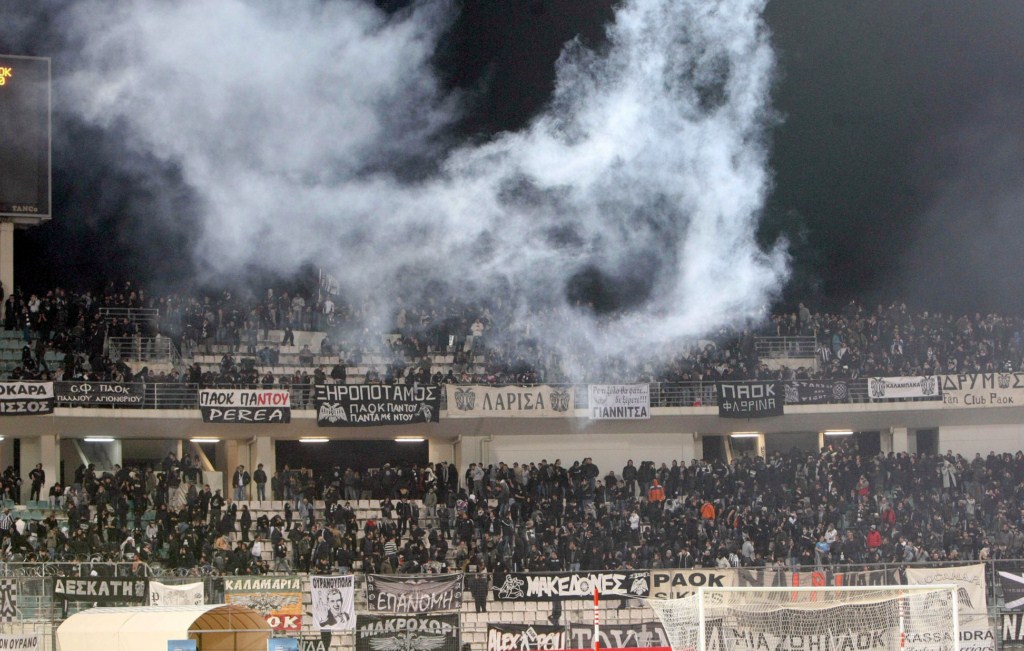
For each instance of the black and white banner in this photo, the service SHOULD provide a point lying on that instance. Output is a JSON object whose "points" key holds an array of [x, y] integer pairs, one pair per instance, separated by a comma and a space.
{"points": [[675, 584], [619, 636], [750, 399], [26, 642], [1013, 628], [771, 578], [102, 591], [407, 633], [101, 393], [1011, 579], [414, 594], [974, 390], [245, 405], [26, 398], [367, 405], [969, 580], [188, 594], [8, 600], [922, 386], [573, 585], [525, 637], [334, 604], [816, 392], [619, 401]]}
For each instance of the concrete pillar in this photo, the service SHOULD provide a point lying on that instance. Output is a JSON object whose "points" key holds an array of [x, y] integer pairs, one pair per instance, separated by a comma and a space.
{"points": [[263, 450], [43, 449], [691, 445], [885, 440], [6, 452], [440, 451], [900, 440], [7, 259]]}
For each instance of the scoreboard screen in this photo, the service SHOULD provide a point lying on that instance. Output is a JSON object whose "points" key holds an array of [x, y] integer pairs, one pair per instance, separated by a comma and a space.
{"points": [[24, 138]]}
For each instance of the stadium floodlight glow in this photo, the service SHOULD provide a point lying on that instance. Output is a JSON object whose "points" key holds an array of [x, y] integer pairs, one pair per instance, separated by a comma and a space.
{"points": [[410, 439], [745, 435], [839, 432], [99, 439], [313, 439], [205, 439]]}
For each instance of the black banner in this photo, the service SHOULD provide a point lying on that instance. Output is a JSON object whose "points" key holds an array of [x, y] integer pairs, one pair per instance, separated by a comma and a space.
{"points": [[1013, 628], [245, 405], [619, 636], [816, 392], [414, 594], [368, 405], [1011, 578], [525, 637], [102, 591], [422, 632], [573, 585], [26, 398], [101, 393], [750, 399]]}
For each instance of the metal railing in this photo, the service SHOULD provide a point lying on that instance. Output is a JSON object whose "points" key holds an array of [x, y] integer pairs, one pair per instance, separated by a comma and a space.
{"points": [[141, 349], [132, 314], [785, 346]]}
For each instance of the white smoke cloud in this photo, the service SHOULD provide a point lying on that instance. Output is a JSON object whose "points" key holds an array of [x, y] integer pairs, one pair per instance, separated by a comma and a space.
{"points": [[289, 120]]}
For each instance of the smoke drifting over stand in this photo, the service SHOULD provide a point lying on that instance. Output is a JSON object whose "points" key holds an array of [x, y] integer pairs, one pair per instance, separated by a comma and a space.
{"points": [[320, 134]]}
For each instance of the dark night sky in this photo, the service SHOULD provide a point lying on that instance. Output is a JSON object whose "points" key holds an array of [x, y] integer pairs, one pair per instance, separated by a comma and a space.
{"points": [[898, 155]]}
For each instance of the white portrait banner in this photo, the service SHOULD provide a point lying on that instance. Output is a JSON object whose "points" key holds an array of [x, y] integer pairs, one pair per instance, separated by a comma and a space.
{"points": [[333, 602]]}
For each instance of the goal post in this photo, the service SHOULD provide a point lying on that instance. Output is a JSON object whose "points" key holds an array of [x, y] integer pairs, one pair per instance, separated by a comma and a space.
{"points": [[848, 618]]}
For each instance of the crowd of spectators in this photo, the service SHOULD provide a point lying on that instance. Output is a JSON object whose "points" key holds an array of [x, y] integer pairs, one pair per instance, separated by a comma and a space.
{"points": [[836, 508], [854, 342]]}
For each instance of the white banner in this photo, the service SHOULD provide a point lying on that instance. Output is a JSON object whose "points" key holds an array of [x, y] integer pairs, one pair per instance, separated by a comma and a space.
{"points": [[974, 390], [619, 401], [969, 580], [334, 602], [189, 594], [884, 388], [674, 584], [28, 642], [477, 401]]}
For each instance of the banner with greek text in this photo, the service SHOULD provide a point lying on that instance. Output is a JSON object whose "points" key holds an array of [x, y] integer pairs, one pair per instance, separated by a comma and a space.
{"points": [[619, 636], [477, 401], [26, 398], [245, 405], [772, 578], [407, 633], [980, 390], [370, 405], [619, 401], [279, 599], [922, 386], [674, 584], [750, 399], [414, 594], [189, 594], [27, 642], [334, 604], [816, 392], [525, 637], [95, 394], [573, 585], [102, 591]]}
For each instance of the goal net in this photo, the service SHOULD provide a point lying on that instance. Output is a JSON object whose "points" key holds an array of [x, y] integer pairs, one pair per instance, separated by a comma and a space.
{"points": [[877, 618]]}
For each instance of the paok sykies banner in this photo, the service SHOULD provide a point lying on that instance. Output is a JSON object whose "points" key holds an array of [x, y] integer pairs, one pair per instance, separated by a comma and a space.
{"points": [[407, 632], [245, 405], [619, 401], [333, 601], [518, 586], [26, 398], [525, 637], [421, 593], [278, 599], [477, 401], [675, 584], [370, 405]]}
